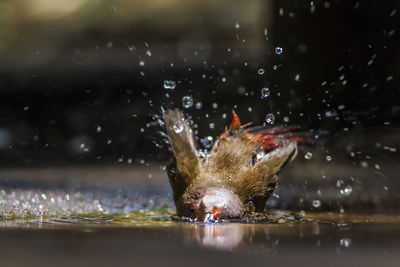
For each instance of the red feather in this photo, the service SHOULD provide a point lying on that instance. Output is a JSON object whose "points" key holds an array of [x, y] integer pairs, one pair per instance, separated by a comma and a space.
{"points": [[265, 140], [235, 121], [269, 139]]}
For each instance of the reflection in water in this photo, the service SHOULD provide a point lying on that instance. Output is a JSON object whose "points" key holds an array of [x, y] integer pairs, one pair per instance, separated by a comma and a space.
{"points": [[180, 244], [219, 236]]}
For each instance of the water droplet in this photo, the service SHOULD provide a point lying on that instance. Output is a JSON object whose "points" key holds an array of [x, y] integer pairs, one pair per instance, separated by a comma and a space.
{"points": [[187, 101], [270, 118], [308, 155], [316, 203], [261, 71], [346, 191], [275, 67], [345, 242], [212, 125], [170, 85], [278, 50], [214, 105], [142, 63], [364, 164], [237, 25], [265, 92], [260, 155], [148, 52], [207, 142], [198, 105], [297, 77], [177, 128], [328, 158], [223, 79], [330, 114]]}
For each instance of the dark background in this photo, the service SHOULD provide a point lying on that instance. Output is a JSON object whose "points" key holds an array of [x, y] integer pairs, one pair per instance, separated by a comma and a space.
{"points": [[73, 91]]}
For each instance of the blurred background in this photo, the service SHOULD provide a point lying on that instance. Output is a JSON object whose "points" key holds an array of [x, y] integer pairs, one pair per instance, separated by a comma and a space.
{"points": [[84, 82]]}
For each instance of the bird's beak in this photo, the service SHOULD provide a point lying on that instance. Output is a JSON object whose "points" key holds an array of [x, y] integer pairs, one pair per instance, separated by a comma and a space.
{"points": [[213, 215], [216, 213]]}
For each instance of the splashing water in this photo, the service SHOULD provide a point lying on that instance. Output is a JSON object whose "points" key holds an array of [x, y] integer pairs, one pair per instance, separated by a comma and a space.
{"points": [[187, 101], [278, 50], [316, 203], [270, 118], [265, 92], [198, 105], [308, 155], [178, 127], [346, 191], [170, 85], [207, 142]]}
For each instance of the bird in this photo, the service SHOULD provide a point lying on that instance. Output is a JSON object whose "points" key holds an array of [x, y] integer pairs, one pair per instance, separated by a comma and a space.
{"points": [[235, 177]]}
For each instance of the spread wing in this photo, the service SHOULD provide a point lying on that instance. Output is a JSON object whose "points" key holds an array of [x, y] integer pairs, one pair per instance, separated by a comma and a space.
{"points": [[270, 150], [185, 164], [272, 138], [280, 147]]}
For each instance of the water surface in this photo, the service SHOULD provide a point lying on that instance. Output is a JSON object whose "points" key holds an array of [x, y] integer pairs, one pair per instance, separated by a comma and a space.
{"points": [[92, 220]]}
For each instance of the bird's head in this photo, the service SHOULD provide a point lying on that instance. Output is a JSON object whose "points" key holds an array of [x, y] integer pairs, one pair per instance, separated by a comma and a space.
{"points": [[213, 203]]}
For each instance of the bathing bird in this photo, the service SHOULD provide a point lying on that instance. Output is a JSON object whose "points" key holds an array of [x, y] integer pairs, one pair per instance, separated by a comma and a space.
{"points": [[236, 176]]}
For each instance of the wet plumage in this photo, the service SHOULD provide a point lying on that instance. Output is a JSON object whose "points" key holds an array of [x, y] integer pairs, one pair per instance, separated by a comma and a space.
{"points": [[238, 174]]}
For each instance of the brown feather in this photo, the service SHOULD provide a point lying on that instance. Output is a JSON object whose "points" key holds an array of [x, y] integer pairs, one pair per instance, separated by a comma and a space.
{"points": [[238, 162]]}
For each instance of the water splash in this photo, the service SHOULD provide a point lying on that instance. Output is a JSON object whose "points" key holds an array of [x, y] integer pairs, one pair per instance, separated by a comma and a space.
{"points": [[278, 50], [270, 118], [265, 92], [169, 85], [187, 101]]}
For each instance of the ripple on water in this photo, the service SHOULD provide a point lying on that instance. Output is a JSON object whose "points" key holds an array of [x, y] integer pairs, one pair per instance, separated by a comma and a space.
{"points": [[94, 208]]}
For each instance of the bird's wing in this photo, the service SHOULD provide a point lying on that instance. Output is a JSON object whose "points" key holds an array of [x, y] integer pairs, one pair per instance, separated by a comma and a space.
{"points": [[185, 164], [261, 152], [279, 145], [272, 138], [274, 153]]}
